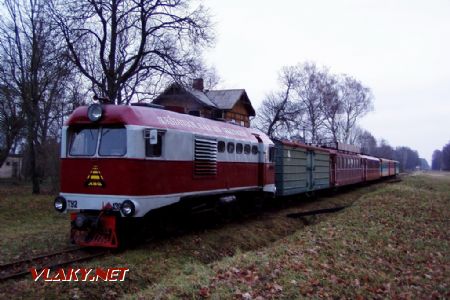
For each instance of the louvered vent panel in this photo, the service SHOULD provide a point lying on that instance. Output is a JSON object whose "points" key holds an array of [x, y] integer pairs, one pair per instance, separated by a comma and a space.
{"points": [[205, 163]]}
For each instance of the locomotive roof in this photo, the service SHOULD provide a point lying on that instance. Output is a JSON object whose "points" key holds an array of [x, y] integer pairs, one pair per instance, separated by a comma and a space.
{"points": [[164, 119]]}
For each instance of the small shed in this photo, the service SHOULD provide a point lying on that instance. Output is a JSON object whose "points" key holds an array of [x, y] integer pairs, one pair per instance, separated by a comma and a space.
{"points": [[12, 166]]}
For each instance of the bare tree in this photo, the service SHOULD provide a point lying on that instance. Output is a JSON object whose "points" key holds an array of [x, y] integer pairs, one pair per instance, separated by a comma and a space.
{"points": [[279, 116], [126, 47], [11, 120], [35, 69], [327, 106], [356, 101], [331, 106], [366, 141], [384, 150], [309, 94]]}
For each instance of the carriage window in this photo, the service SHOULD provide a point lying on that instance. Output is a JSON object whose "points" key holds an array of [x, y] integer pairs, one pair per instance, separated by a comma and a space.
{"points": [[239, 148], [83, 142], [154, 150], [113, 142], [230, 147], [247, 149], [221, 146], [254, 149]]}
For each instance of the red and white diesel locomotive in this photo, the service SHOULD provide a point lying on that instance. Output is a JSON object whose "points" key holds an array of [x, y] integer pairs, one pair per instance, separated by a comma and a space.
{"points": [[119, 163], [124, 161]]}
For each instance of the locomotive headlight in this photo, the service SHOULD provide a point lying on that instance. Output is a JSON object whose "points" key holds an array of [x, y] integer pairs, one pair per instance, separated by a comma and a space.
{"points": [[94, 112], [127, 208], [60, 204]]}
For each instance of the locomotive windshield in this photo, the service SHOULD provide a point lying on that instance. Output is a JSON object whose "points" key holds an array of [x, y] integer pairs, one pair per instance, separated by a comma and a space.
{"points": [[83, 141], [113, 142]]}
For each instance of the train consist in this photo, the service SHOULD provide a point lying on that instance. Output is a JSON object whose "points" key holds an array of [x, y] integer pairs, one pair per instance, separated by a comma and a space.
{"points": [[119, 163]]}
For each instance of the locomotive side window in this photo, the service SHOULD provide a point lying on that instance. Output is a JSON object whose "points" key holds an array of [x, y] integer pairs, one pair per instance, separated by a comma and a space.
{"points": [[221, 146], [271, 154], [113, 142], [247, 149], [230, 147], [83, 142], [239, 148], [154, 150], [254, 149]]}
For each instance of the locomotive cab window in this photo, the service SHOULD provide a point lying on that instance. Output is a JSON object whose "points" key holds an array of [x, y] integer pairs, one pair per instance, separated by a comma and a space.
{"points": [[83, 141], [113, 142], [153, 149]]}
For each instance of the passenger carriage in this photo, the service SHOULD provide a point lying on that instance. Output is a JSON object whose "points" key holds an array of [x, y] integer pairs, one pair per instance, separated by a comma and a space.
{"points": [[371, 167]]}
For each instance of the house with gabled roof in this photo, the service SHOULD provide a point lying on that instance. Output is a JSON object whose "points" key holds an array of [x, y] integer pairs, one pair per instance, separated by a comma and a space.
{"points": [[12, 166], [227, 105]]}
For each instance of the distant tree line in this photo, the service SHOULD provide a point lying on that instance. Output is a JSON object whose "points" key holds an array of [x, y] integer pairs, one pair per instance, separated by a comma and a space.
{"points": [[441, 159], [55, 55], [409, 159], [315, 106]]}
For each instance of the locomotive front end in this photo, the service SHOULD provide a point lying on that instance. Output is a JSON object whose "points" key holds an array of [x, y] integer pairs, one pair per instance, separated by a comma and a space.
{"points": [[93, 169]]}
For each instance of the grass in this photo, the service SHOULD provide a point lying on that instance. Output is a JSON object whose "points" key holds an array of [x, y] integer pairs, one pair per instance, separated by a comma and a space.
{"points": [[29, 223], [392, 242]]}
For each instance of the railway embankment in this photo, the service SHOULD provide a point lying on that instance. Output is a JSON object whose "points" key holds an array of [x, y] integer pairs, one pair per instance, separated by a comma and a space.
{"points": [[392, 241]]}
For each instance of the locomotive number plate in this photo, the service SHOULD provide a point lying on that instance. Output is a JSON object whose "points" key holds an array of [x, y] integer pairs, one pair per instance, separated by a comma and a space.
{"points": [[72, 204]]}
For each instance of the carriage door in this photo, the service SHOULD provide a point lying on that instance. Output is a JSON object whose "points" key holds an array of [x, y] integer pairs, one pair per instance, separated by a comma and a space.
{"points": [[261, 158], [310, 167]]}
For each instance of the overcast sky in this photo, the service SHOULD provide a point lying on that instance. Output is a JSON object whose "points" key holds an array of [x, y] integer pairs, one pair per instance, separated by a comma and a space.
{"points": [[400, 49]]}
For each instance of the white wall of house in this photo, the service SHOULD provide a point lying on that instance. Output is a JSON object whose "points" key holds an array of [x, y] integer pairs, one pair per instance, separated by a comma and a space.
{"points": [[12, 167]]}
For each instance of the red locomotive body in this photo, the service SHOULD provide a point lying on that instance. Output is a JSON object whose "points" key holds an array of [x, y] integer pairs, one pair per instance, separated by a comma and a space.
{"points": [[137, 159]]}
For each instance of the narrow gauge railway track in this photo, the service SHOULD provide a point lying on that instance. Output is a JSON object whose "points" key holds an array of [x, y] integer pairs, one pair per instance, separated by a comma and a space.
{"points": [[51, 260]]}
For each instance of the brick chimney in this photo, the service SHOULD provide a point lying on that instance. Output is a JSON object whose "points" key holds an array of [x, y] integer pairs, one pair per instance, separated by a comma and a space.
{"points": [[198, 84]]}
